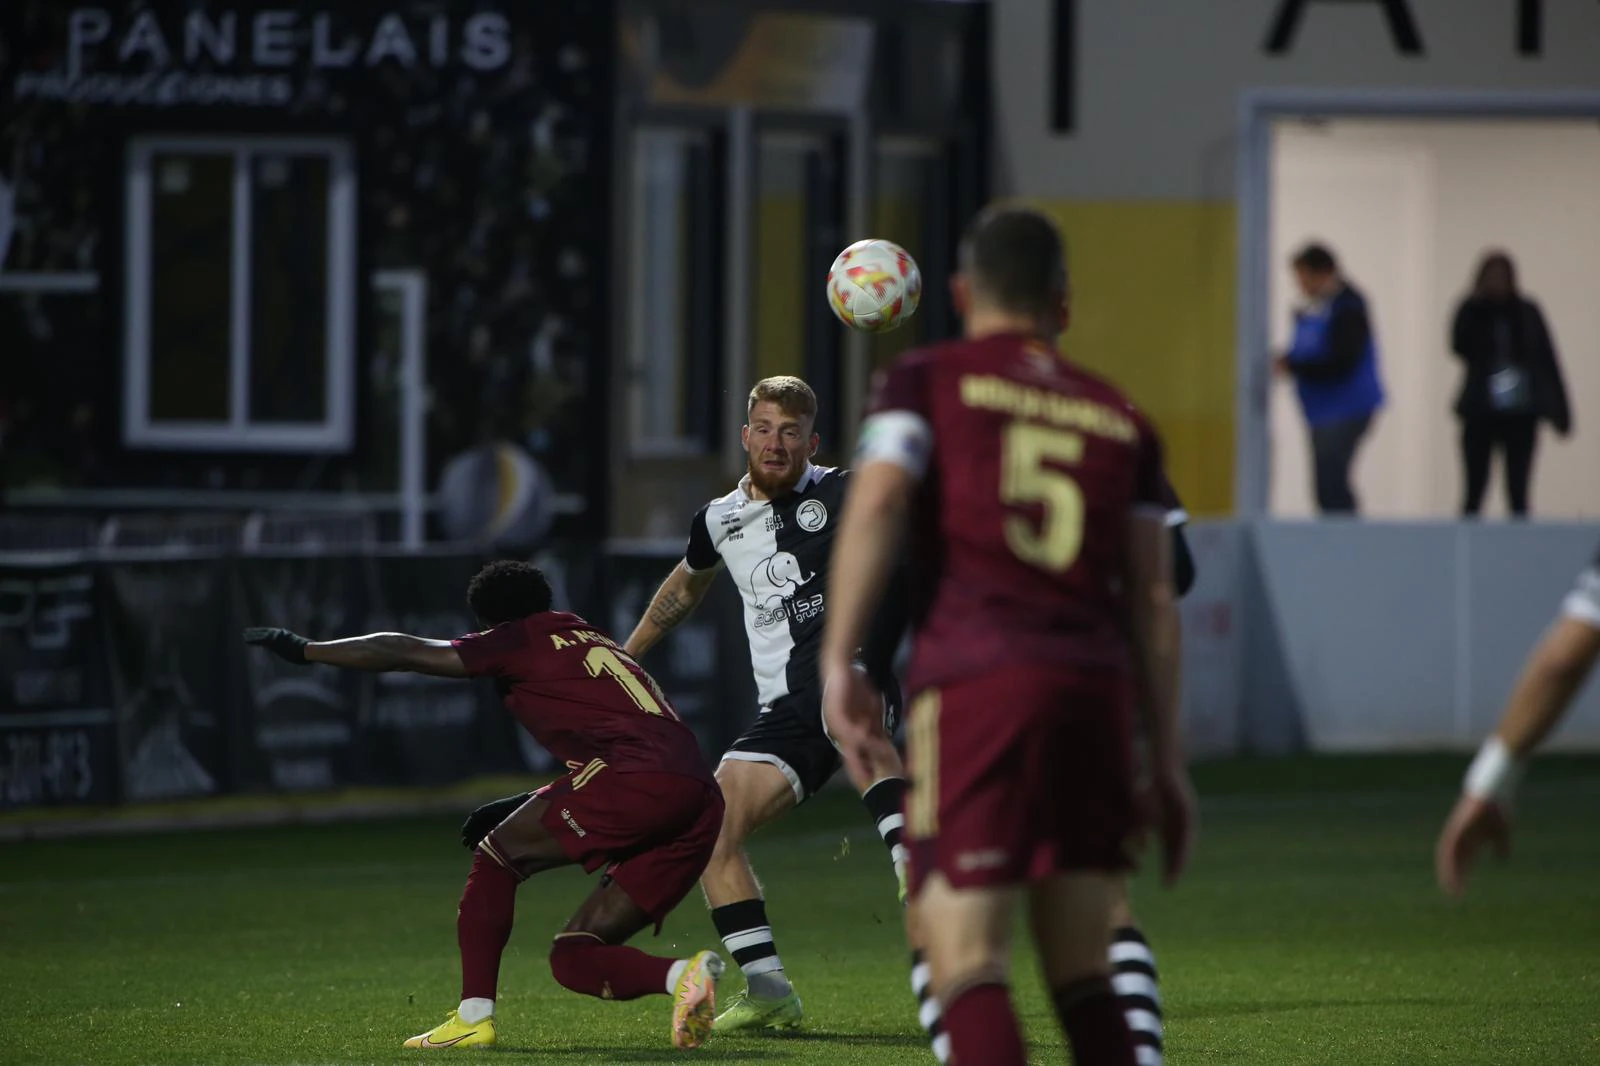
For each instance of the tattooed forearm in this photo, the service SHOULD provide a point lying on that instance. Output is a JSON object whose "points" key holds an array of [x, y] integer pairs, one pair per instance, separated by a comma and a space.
{"points": [[670, 608]]}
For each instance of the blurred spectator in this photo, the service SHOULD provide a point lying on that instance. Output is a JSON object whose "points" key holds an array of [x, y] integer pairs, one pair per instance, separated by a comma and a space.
{"points": [[1513, 380], [1334, 362]]}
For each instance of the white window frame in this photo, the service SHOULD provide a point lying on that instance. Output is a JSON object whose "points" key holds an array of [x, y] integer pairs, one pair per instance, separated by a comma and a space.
{"points": [[336, 431], [647, 265]]}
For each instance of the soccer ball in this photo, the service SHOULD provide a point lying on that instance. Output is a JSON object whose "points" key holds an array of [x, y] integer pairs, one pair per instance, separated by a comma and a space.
{"points": [[874, 286]]}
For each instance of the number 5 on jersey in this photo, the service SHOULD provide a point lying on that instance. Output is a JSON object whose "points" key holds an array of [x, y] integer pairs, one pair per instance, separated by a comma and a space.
{"points": [[1026, 478]]}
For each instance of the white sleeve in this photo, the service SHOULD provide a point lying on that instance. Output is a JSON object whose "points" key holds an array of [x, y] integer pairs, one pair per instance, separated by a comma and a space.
{"points": [[899, 437]]}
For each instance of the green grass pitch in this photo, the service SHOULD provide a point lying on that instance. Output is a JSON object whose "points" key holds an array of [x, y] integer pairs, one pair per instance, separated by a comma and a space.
{"points": [[1308, 931]]}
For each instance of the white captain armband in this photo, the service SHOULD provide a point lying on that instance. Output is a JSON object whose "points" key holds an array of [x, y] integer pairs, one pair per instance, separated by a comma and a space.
{"points": [[1494, 774], [899, 437]]}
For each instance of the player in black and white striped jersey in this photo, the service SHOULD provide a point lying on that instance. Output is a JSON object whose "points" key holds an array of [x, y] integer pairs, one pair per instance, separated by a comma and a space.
{"points": [[773, 534]]}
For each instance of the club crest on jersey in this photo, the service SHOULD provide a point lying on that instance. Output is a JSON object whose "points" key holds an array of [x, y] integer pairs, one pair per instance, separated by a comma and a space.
{"points": [[811, 516]]}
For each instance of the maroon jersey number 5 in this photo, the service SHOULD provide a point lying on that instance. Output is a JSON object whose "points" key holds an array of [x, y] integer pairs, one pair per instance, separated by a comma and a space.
{"points": [[1030, 475]]}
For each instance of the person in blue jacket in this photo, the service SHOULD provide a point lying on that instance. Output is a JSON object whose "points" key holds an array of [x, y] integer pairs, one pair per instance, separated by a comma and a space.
{"points": [[1334, 363]]}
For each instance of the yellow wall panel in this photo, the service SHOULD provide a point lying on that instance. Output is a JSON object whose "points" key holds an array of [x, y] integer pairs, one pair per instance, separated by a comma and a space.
{"points": [[1153, 286]]}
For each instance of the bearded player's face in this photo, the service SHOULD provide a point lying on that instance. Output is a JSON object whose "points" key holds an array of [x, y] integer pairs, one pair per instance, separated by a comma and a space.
{"points": [[778, 445]]}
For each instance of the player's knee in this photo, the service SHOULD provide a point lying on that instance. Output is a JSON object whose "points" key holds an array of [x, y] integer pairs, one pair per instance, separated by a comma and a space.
{"points": [[949, 982], [569, 963]]}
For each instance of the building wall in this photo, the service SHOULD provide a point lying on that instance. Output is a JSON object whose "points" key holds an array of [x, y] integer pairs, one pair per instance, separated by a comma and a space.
{"points": [[1149, 165]]}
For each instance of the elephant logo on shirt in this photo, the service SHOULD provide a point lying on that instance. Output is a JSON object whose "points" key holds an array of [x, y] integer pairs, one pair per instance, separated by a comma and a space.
{"points": [[776, 579]]}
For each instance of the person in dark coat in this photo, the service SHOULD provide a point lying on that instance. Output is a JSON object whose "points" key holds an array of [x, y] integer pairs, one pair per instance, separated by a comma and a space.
{"points": [[1513, 382]]}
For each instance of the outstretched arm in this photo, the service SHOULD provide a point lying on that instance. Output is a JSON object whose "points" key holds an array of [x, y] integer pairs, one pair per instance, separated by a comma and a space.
{"points": [[673, 602], [375, 651], [863, 557], [1552, 676]]}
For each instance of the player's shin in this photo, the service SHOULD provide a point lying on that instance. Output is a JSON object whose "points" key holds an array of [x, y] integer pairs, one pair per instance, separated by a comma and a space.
{"points": [[747, 934], [1093, 1022], [483, 926], [1136, 984], [983, 1026], [885, 801], [584, 963]]}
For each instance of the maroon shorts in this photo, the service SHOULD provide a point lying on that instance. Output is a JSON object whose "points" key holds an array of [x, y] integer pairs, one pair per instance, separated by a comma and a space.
{"points": [[1020, 774], [652, 831]]}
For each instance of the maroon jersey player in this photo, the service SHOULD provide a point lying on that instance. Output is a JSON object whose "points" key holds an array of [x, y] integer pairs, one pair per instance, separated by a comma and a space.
{"points": [[1033, 497], [638, 800]]}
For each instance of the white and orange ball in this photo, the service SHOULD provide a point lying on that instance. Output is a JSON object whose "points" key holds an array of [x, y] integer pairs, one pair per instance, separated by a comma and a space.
{"points": [[874, 286]]}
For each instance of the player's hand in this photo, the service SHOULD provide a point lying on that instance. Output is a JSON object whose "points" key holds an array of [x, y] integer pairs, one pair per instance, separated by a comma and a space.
{"points": [[852, 713], [485, 818], [280, 642], [1475, 822], [1169, 804]]}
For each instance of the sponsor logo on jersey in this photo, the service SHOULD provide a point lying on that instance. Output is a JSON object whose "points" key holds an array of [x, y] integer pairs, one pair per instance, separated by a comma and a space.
{"points": [[798, 609], [777, 578], [566, 816], [811, 516]]}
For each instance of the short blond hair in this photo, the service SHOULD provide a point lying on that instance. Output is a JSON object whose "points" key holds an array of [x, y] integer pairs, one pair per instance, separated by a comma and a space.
{"points": [[793, 396]]}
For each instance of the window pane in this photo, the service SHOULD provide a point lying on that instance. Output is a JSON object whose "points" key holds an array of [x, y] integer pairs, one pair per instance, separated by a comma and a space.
{"points": [[900, 213], [288, 288], [781, 284], [662, 282], [191, 285]]}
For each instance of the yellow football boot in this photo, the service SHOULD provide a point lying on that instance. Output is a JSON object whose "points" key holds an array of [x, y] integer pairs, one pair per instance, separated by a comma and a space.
{"points": [[453, 1032]]}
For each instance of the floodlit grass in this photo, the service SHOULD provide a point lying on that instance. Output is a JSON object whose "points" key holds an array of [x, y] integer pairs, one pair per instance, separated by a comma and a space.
{"points": [[1308, 931]]}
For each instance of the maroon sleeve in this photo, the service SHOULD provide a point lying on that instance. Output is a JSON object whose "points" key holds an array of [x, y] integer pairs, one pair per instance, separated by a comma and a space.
{"points": [[492, 652], [902, 387]]}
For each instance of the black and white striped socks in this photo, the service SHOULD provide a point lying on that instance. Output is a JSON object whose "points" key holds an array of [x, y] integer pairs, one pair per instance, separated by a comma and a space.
{"points": [[1134, 980], [928, 1012], [748, 937], [885, 801]]}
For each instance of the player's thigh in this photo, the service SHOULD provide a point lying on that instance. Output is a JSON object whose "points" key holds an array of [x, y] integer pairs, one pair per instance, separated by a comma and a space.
{"points": [[524, 843], [642, 889], [754, 793], [658, 878], [1070, 915], [609, 914], [965, 932], [1571, 645]]}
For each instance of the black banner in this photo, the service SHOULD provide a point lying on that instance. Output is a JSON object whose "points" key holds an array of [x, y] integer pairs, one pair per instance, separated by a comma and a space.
{"points": [[418, 730], [126, 681], [169, 671], [58, 737], [297, 724]]}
